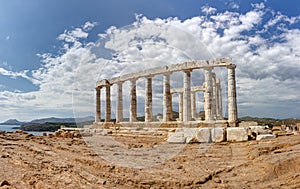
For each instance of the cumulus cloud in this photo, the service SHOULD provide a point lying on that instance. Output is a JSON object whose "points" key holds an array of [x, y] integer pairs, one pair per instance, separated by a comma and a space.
{"points": [[208, 10], [267, 60]]}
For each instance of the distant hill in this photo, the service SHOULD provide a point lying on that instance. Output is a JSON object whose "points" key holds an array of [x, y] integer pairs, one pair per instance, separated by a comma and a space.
{"points": [[12, 122], [62, 120]]}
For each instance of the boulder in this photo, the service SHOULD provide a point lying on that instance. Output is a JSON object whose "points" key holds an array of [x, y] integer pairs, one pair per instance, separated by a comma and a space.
{"points": [[265, 137], [237, 134], [203, 135], [217, 134]]}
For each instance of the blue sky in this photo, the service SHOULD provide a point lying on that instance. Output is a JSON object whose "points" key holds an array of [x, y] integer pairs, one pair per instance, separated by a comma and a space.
{"points": [[40, 40]]}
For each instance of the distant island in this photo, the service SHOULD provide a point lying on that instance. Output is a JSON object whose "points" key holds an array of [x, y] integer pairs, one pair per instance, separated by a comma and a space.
{"points": [[51, 124], [12, 122]]}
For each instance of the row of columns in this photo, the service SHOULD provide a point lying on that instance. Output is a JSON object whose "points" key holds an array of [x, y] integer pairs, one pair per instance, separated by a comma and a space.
{"points": [[187, 99]]}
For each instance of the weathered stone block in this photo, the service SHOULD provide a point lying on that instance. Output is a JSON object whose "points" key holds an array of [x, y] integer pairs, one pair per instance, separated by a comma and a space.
{"points": [[203, 135], [190, 134], [218, 134], [177, 137], [265, 137], [237, 134]]}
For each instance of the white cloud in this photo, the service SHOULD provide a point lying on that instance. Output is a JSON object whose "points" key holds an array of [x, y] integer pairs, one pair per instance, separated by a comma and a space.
{"points": [[266, 70], [208, 10], [258, 5], [7, 38], [73, 36], [89, 26]]}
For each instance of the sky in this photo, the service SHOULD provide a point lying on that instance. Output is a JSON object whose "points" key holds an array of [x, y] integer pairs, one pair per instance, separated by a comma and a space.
{"points": [[53, 52]]}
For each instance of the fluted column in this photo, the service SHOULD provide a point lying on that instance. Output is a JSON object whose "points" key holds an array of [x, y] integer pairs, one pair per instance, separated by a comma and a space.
{"points": [[180, 106], [108, 107], [119, 113], [219, 100], [187, 96], [193, 105], [232, 104], [148, 100], [98, 105], [167, 99], [133, 107], [214, 97], [208, 95]]}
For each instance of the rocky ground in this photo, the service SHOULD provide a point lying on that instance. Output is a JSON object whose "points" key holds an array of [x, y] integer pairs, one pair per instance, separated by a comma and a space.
{"points": [[28, 161]]}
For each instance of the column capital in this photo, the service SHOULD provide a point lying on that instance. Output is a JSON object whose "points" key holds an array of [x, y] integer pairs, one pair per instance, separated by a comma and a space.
{"points": [[231, 66], [187, 70]]}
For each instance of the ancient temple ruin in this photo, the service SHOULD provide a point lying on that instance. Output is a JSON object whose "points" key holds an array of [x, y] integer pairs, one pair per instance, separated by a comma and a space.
{"points": [[187, 101]]}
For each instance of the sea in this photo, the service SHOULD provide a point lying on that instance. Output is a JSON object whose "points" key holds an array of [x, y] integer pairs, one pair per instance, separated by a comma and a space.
{"points": [[9, 128]]}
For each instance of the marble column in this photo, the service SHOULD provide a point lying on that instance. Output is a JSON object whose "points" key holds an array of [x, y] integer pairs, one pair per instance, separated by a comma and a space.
{"points": [[133, 106], [219, 101], [98, 105], [193, 105], [214, 97], [119, 113], [148, 100], [180, 106], [232, 104], [187, 96], [208, 95], [108, 107], [167, 99]]}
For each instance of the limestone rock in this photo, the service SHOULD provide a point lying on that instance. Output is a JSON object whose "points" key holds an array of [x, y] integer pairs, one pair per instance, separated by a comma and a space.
{"points": [[254, 131], [265, 136], [177, 137], [204, 135], [237, 134], [190, 135], [218, 134]]}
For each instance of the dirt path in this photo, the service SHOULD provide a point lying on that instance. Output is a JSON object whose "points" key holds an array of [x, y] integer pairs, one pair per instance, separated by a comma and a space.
{"points": [[43, 162]]}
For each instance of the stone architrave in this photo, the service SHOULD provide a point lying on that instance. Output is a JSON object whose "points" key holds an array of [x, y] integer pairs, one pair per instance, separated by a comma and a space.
{"points": [[167, 99], [108, 107], [133, 107], [187, 96], [148, 100], [208, 95], [232, 104], [98, 104], [119, 113]]}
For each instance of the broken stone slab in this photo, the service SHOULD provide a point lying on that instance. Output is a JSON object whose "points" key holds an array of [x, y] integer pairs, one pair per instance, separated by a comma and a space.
{"points": [[237, 134], [217, 134], [254, 131], [265, 137], [203, 135]]}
